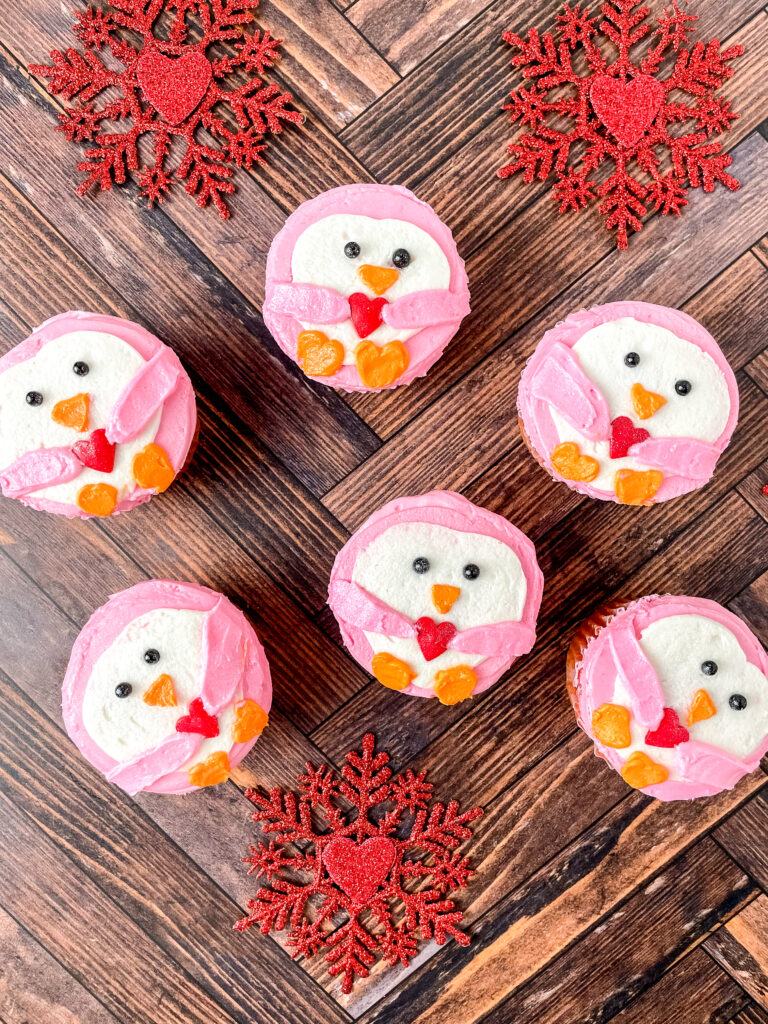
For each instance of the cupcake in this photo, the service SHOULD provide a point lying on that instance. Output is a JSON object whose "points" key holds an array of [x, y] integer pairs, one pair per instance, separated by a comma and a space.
{"points": [[365, 287], [436, 596], [96, 416], [674, 693], [628, 402], [167, 688]]}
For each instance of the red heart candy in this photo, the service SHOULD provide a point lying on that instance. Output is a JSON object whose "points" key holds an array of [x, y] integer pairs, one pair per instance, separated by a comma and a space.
{"points": [[623, 435], [359, 869], [174, 87], [627, 109], [365, 313], [433, 639], [198, 720], [669, 732], [96, 452]]}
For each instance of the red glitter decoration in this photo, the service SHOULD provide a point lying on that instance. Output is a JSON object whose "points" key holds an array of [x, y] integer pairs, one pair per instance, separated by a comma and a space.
{"points": [[169, 89], [433, 639], [623, 112], [765, 489], [198, 720], [669, 732], [369, 847], [623, 435]]}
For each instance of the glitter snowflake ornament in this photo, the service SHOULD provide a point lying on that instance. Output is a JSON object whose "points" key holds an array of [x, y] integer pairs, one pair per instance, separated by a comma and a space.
{"points": [[370, 857], [618, 92], [169, 92]]}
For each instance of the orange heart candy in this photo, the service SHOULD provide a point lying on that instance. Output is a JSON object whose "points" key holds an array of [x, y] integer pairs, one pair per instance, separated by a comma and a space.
{"points": [[702, 707], [640, 771], [572, 465], [391, 671], [152, 469], [635, 488], [453, 685], [210, 772], [610, 724], [72, 412], [161, 693], [97, 499], [319, 355], [379, 367], [250, 720]]}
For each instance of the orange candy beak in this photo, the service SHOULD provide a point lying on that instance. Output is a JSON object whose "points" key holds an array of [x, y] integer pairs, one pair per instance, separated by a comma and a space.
{"points": [[161, 693], [645, 403], [378, 279], [444, 597], [702, 707], [72, 412]]}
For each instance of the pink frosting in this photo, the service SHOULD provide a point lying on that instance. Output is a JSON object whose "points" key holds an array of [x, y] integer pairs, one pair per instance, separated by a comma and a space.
{"points": [[232, 657], [41, 468], [553, 379], [436, 314], [358, 612], [704, 770], [162, 381]]}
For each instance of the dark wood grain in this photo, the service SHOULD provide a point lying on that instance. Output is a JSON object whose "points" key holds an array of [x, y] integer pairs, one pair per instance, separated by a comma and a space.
{"points": [[741, 948]]}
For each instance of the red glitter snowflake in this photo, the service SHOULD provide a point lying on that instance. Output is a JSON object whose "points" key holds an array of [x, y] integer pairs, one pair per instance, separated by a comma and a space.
{"points": [[169, 87], [368, 855], [629, 112]]}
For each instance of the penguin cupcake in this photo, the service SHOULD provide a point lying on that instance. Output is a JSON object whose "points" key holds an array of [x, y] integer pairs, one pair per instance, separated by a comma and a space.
{"points": [[436, 597], [628, 402], [674, 693], [167, 688], [96, 416]]}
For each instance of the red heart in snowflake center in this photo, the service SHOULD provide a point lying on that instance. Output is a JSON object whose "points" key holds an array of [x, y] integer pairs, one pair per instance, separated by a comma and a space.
{"points": [[359, 869], [627, 109], [174, 87], [365, 313], [623, 435]]}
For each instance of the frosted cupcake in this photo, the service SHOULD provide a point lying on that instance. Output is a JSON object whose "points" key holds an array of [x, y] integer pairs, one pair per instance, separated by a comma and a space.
{"points": [[437, 597], [365, 287], [167, 688], [674, 693], [628, 402], [96, 416]]}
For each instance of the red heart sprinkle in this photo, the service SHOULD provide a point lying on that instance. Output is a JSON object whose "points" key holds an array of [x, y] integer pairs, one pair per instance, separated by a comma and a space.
{"points": [[365, 313], [433, 639], [198, 720], [174, 87], [359, 869], [669, 732], [623, 435], [627, 109], [96, 452]]}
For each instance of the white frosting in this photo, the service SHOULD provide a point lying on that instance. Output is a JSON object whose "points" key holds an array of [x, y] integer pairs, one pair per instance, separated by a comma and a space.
{"points": [[24, 428], [318, 258], [664, 359], [125, 726]]}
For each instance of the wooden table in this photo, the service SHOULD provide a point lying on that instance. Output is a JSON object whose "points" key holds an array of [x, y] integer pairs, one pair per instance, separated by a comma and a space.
{"points": [[591, 902]]}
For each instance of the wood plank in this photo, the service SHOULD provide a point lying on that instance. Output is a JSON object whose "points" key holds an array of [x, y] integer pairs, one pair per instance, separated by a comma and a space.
{"points": [[743, 836], [741, 948], [751, 1014], [751, 605]]}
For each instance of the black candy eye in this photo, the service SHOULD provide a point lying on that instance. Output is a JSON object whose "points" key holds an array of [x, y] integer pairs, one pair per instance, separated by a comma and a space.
{"points": [[471, 571], [34, 398], [81, 368], [152, 656], [123, 690], [421, 565], [401, 258], [632, 359], [683, 387], [352, 250], [709, 668], [737, 701]]}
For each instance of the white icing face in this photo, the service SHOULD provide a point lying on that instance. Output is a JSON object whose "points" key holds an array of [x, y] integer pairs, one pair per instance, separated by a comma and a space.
{"points": [[319, 258], [664, 360], [112, 363], [126, 726]]}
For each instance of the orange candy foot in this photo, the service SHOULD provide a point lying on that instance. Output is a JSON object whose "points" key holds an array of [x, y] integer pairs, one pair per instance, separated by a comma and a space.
{"points": [[391, 671], [210, 772], [319, 355], [610, 724], [634, 488], [250, 720], [379, 367], [97, 499], [572, 465], [453, 685], [152, 469], [640, 771], [161, 693]]}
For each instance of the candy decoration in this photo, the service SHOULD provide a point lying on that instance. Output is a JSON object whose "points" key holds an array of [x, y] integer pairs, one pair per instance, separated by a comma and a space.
{"points": [[378, 279], [97, 499], [433, 639], [444, 597], [669, 732], [365, 313], [453, 685], [640, 771], [198, 720], [319, 355], [250, 720], [628, 115], [210, 772], [391, 671], [623, 435], [161, 693], [369, 867], [72, 412], [96, 452], [637, 488], [152, 469], [610, 724], [168, 88], [646, 403], [701, 708], [379, 367], [572, 465]]}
